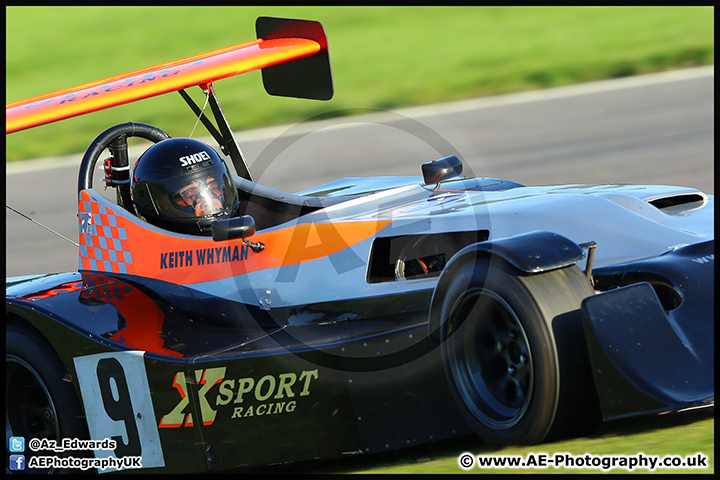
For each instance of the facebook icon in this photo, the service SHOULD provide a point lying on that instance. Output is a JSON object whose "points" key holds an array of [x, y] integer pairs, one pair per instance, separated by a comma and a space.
{"points": [[17, 462]]}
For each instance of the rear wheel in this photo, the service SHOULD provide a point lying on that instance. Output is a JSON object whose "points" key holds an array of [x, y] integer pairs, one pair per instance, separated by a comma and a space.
{"points": [[40, 401], [513, 348]]}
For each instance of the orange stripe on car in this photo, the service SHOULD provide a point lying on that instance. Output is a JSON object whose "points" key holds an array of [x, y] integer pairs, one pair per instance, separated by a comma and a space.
{"points": [[187, 259]]}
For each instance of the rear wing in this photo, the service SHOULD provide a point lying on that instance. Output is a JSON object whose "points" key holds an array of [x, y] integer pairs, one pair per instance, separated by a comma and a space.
{"points": [[292, 55]]}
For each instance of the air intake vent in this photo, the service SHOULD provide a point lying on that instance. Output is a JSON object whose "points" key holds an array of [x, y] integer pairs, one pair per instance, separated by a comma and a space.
{"points": [[678, 200]]}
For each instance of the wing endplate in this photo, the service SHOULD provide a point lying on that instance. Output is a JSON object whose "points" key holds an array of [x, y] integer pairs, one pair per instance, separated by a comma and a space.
{"points": [[310, 77], [157, 80]]}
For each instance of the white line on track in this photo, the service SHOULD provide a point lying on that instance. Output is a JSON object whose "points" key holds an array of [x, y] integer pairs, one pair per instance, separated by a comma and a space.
{"points": [[418, 112]]}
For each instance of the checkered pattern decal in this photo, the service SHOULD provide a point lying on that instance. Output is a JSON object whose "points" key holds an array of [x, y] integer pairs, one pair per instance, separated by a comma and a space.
{"points": [[105, 289], [104, 246]]}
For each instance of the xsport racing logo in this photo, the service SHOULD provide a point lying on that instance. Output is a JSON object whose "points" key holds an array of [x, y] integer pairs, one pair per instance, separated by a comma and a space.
{"points": [[241, 398]]}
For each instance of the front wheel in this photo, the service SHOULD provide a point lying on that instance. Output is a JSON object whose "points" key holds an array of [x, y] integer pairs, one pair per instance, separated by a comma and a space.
{"points": [[514, 351]]}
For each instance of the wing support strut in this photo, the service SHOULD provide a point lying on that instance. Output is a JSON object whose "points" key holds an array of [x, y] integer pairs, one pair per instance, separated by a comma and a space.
{"points": [[223, 134]]}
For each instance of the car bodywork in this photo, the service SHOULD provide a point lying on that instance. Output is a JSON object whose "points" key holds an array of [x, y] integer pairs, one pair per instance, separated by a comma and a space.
{"points": [[323, 336]]}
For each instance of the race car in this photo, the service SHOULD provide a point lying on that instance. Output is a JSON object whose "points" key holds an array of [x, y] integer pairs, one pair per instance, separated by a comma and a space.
{"points": [[363, 315]]}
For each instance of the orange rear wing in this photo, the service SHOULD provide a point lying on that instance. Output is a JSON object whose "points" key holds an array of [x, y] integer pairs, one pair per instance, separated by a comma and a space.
{"points": [[292, 55]]}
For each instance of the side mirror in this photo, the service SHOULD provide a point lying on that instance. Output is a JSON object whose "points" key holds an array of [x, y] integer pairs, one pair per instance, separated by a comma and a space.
{"points": [[236, 227], [441, 169]]}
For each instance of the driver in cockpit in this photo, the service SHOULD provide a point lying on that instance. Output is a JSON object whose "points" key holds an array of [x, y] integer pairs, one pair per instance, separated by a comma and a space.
{"points": [[182, 185]]}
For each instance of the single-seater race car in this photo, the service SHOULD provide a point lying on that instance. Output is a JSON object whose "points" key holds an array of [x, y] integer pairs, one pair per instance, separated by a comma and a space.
{"points": [[363, 315]]}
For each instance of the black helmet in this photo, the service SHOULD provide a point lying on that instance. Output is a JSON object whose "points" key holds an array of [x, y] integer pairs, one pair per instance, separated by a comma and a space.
{"points": [[182, 184]]}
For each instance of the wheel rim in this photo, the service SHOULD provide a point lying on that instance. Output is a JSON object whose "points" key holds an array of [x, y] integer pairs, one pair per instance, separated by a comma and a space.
{"points": [[490, 358], [29, 409]]}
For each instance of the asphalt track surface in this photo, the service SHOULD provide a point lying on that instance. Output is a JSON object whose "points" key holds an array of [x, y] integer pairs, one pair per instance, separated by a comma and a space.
{"points": [[653, 129]]}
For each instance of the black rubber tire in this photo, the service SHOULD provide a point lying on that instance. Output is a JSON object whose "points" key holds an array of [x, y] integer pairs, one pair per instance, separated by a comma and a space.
{"points": [[40, 401], [514, 351]]}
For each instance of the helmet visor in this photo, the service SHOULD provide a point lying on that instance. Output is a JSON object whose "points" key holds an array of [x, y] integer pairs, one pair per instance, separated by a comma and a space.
{"points": [[204, 195]]}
